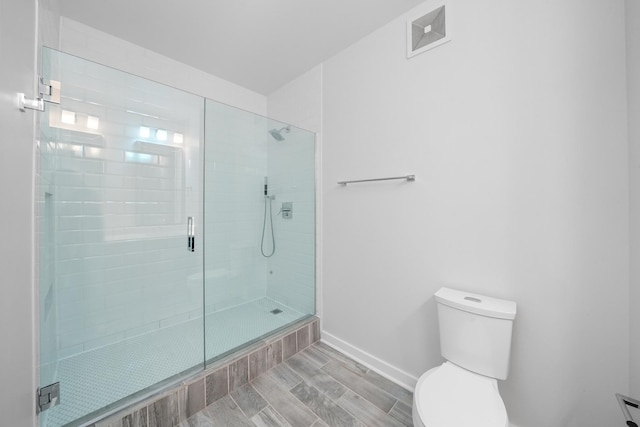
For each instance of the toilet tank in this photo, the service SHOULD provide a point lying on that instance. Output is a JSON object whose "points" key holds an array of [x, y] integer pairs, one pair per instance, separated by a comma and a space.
{"points": [[475, 331]]}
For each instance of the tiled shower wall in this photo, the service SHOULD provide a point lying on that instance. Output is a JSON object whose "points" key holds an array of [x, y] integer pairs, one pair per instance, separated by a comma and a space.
{"points": [[235, 166], [119, 202], [292, 169], [291, 278], [106, 289]]}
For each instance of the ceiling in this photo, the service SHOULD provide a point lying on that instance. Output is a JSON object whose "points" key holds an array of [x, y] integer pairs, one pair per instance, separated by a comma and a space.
{"points": [[258, 44]]}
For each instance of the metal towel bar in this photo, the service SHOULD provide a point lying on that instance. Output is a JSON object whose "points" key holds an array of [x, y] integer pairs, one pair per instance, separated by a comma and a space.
{"points": [[407, 177]]}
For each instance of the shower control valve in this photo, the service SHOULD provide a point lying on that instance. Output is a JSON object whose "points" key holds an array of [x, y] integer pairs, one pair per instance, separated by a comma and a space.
{"points": [[287, 210]]}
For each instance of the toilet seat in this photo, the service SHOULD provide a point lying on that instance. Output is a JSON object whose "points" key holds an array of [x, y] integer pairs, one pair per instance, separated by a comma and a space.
{"points": [[450, 396]]}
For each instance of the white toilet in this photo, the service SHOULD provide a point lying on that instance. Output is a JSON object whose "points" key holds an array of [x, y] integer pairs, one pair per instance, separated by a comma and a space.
{"points": [[475, 339]]}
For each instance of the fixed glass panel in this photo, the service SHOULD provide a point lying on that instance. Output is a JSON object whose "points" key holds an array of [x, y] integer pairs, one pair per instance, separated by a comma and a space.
{"points": [[119, 177], [260, 255], [291, 172]]}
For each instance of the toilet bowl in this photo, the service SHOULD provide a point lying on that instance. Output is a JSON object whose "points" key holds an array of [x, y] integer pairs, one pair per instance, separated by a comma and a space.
{"points": [[475, 340], [450, 396]]}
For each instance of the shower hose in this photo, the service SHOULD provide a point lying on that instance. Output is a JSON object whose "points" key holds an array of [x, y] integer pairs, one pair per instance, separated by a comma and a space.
{"points": [[264, 227]]}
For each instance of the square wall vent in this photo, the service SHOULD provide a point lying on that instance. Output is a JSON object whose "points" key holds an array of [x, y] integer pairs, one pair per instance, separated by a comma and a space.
{"points": [[428, 30]]}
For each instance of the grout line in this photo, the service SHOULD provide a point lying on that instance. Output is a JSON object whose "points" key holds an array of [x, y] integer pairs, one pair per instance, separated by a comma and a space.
{"points": [[274, 409], [336, 401], [394, 405], [240, 408], [325, 363], [355, 392], [333, 358], [228, 379], [311, 385]]}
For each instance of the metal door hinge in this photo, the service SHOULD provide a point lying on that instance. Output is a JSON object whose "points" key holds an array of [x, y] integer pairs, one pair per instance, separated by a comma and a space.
{"points": [[49, 91], [48, 396]]}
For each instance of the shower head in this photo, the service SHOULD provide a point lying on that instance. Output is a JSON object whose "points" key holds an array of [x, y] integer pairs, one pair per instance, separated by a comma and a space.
{"points": [[277, 133]]}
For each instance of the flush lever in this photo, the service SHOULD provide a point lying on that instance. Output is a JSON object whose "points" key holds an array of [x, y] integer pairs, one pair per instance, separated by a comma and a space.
{"points": [[191, 234]]}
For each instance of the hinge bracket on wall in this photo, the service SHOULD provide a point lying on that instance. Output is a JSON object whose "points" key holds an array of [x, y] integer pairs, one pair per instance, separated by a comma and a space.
{"points": [[48, 396], [49, 92]]}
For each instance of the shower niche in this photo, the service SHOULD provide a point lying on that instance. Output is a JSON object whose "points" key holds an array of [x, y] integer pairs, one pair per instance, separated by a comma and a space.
{"points": [[150, 212]]}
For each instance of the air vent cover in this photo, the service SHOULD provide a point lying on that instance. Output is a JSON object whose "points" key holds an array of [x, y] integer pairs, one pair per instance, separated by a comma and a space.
{"points": [[428, 30]]}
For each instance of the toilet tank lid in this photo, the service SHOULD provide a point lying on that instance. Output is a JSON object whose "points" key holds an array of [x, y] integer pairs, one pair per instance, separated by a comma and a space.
{"points": [[479, 304]]}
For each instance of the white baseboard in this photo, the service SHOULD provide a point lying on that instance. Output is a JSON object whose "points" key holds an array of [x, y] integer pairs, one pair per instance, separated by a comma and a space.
{"points": [[381, 367]]}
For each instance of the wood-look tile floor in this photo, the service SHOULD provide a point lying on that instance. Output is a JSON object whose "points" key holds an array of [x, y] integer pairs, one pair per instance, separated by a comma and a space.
{"points": [[317, 387]]}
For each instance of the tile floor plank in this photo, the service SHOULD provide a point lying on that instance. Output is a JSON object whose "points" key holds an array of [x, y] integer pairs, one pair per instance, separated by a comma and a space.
{"points": [[390, 387], [198, 420], [317, 387], [249, 400], [325, 408], [225, 413], [269, 418], [284, 376], [352, 365], [283, 402], [402, 413], [362, 387], [313, 374], [366, 411], [316, 355]]}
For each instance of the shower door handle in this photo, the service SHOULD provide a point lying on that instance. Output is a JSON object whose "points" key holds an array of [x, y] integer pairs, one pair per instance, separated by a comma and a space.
{"points": [[191, 235]]}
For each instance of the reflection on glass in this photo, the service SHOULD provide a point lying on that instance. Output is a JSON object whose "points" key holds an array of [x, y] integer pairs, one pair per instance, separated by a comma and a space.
{"points": [[248, 295], [121, 303], [121, 172]]}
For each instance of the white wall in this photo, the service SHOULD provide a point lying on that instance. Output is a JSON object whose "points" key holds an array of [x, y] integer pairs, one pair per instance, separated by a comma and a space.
{"points": [[299, 102], [516, 131], [633, 102], [17, 74], [88, 43]]}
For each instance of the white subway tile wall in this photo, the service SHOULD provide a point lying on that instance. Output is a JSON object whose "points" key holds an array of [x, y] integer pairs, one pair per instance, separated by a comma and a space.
{"points": [[291, 170], [235, 167], [121, 202], [118, 220], [292, 167], [119, 173]]}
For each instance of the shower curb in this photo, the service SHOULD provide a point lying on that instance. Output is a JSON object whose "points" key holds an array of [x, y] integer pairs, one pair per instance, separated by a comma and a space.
{"points": [[175, 404]]}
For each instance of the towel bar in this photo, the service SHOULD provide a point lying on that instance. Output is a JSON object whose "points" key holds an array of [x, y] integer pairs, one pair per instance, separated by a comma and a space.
{"points": [[407, 177]]}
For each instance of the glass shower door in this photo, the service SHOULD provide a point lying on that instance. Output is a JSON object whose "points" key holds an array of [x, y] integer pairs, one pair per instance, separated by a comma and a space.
{"points": [[119, 180]]}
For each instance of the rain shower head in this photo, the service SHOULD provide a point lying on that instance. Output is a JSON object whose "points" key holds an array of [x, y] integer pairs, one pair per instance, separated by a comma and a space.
{"points": [[277, 133]]}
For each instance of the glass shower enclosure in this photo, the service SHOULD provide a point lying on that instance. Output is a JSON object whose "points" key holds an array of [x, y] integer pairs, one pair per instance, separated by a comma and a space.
{"points": [[172, 230]]}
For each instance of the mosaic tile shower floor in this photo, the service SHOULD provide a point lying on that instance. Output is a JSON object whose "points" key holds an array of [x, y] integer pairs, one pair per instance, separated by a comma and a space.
{"points": [[93, 379]]}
